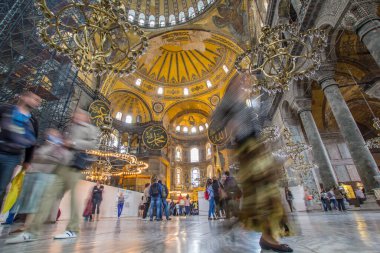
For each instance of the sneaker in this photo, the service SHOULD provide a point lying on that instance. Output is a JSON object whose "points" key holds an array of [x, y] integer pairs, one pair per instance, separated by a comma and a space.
{"points": [[24, 237], [169, 219], [66, 235]]}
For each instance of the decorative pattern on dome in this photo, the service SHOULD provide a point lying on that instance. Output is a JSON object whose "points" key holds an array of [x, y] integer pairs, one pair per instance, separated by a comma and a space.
{"points": [[164, 13]]}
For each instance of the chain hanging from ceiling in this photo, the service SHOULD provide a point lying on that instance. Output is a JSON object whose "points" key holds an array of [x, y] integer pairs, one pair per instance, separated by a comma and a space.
{"points": [[283, 54], [94, 34]]}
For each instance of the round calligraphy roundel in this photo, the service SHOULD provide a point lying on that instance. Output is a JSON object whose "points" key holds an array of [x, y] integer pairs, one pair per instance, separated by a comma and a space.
{"points": [[217, 135], [98, 110], [155, 137]]}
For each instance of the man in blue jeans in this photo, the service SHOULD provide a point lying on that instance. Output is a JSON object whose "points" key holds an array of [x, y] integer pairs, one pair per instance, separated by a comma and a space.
{"points": [[164, 195], [155, 202], [18, 136]]}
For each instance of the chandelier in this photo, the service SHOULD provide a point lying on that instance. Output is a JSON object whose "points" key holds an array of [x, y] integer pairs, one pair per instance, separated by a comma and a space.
{"points": [[94, 34], [282, 54], [291, 149], [302, 166], [269, 134], [374, 142]]}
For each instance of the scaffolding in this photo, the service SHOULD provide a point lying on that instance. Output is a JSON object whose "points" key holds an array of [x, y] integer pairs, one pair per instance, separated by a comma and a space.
{"points": [[26, 64]]}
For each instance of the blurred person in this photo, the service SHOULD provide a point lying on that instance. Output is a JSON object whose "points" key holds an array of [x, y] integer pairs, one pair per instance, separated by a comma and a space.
{"points": [[177, 208], [155, 192], [141, 208], [261, 205], [181, 202], [18, 136], [339, 198], [332, 198], [87, 212], [289, 198], [187, 205], [325, 201], [308, 200], [80, 137], [233, 195], [97, 198], [359, 196], [146, 200], [211, 200], [120, 204], [164, 195]]}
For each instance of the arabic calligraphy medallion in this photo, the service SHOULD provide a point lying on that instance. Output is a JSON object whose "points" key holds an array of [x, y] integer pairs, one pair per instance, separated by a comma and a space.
{"points": [[218, 136], [98, 110], [155, 137]]}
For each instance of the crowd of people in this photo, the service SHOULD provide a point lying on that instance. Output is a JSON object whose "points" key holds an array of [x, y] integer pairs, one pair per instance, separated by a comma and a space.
{"points": [[50, 170]]}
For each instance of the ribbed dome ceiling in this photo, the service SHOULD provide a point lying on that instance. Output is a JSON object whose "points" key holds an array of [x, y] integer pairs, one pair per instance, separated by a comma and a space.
{"points": [[163, 13]]}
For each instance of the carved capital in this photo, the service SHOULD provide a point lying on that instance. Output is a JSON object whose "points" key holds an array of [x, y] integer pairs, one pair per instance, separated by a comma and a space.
{"points": [[301, 104], [325, 72], [361, 12]]}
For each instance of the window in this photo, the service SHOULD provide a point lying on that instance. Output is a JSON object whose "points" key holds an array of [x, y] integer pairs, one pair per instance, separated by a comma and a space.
{"points": [[172, 19], [178, 153], [178, 128], [162, 21], [178, 176], [119, 115], [193, 130], [138, 119], [152, 21], [194, 155], [208, 151], [141, 19], [206, 126], [160, 91], [185, 129], [195, 177], [138, 82], [225, 68], [209, 84], [186, 91], [210, 172], [191, 12], [201, 6], [201, 128], [128, 119], [131, 15], [181, 17]]}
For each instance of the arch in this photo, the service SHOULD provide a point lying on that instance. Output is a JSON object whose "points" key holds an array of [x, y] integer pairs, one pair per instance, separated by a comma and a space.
{"points": [[131, 15], [194, 155], [162, 21], [141, 20], [182, 17], [201, 5], [172, 20], [152, 21], [195, 177], [191, 12]]}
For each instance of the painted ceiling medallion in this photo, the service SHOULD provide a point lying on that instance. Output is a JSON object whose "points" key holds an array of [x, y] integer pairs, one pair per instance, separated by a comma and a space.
{"points": [[158, 107], [214, 100]]}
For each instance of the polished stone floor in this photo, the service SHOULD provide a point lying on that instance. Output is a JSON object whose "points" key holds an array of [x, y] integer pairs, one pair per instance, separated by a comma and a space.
{"points": [[316, 232]]}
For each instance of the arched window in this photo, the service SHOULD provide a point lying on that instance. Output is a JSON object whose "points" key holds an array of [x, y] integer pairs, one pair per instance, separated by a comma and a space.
{"points": [[181, 17], [201, 128], [194, 155], [162, 21], [178, 128], [208, 151], [152, 21], [131, 15], [195, 177], [191, 12], [119, 115], [178, 176], [201, 5], [185, 130], [178, 153], [210, 172], [172, 19], [128, 119], [138, 82], [210, 1], [141, 19], [138, 119], [193, 130]]}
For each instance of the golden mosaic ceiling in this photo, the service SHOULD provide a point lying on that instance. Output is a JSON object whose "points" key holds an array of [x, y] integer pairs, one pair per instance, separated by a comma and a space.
{"points": [[198, 61]]}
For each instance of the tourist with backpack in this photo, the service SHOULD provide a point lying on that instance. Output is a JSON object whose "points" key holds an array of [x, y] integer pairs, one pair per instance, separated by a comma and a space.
{"points": [[155, 192], [233, 194], [18, 135], [209, 195], [164, 195]]}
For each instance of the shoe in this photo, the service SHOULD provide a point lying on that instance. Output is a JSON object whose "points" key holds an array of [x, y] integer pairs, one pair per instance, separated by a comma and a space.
{"points": [[158, 219], [150, 219], [209, 218], [66, 235], [24, 237], [6, 224], [276, 248], [169, 219]]}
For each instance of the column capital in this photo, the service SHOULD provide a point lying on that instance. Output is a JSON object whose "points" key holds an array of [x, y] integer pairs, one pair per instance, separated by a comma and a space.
{"points": [[360, 13], [300, 105], [325, 76]]}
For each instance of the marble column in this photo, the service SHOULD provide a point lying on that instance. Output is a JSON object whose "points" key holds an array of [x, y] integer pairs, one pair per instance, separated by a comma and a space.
{"points": [[128, 149], [320, 155], [362, 157], [363, 17], [139, 151]]}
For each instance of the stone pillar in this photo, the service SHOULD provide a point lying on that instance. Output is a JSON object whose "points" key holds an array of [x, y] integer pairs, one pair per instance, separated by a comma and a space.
{"points": [[320, 155], [139, 141], [365, 22], [362, 157], [128, 149]]}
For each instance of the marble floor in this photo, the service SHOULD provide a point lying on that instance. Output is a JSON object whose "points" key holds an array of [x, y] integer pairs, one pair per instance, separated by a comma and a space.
{"points": [[316, 232]]}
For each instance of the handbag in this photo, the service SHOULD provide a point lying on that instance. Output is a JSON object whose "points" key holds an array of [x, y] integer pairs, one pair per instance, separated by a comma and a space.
{"points": [[82, 160]]}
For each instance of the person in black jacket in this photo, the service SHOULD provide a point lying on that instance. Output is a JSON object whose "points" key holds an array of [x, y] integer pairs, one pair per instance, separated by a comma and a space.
{"points": [[97, 197], [18, 135]]}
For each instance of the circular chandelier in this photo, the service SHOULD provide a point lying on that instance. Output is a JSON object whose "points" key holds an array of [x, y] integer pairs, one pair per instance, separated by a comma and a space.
{"points": [[94, 34], [283, 54], [291, 149], [269, 134]]}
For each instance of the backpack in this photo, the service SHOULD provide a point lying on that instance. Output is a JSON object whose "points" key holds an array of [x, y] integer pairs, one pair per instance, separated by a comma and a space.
{"points": [[164, 193], [155, 190], [207, 196]]}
